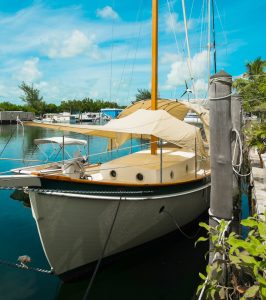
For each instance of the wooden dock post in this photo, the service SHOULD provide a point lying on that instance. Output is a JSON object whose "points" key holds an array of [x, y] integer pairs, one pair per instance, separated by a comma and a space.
{"points": [[221, 205]]}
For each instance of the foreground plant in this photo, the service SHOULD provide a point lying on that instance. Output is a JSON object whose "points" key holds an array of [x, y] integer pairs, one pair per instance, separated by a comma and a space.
{"points": [[238, 269]]}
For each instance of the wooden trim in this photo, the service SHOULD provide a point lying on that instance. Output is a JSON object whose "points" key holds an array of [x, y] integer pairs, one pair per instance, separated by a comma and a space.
{"points": [[85, 181]]}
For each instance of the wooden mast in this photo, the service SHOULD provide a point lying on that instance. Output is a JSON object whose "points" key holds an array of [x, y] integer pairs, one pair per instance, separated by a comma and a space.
{"points": [[154, 71]]}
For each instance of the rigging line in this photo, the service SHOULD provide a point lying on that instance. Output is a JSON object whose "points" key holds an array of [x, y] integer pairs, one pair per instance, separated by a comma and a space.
{"points": [[188, 47], [135, 55], [25, 267], [220, 20], [103, 252], [189, 19], [202, 22], [192, 6], [209, 41], [127, 55], [11, 135], [111, 58], [172, 25], [214, 39], [163, 210]]}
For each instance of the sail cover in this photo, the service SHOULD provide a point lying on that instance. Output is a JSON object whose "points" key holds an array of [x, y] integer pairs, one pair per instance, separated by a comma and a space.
{"points": [[141, 123]]}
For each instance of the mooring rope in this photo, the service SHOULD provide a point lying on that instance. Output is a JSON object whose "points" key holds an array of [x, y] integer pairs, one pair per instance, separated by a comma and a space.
{"points": [[11, 135], [163, 210], [103, 252], [25, 267]]}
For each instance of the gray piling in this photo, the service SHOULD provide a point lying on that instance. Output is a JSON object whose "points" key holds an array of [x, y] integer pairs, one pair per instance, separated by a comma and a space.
{"points": [[221, 205]]}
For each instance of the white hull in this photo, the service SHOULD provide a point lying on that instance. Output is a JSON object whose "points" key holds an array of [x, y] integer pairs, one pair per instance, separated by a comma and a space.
{"points": [[73, 228]]}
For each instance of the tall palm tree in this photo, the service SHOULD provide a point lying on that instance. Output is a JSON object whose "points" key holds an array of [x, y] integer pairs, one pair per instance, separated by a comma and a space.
{"points": [[255, 68]]}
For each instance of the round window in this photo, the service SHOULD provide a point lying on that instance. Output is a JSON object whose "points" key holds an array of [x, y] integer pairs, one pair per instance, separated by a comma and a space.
{"points": [[113, 173], [139, 176]]}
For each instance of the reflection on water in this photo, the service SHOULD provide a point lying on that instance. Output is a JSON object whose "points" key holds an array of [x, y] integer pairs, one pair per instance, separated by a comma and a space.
{"points": [[21, 196], [166, 270]]}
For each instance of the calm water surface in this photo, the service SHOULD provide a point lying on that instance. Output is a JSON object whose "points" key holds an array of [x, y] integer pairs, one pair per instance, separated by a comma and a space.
{"points": [[167, 270]]}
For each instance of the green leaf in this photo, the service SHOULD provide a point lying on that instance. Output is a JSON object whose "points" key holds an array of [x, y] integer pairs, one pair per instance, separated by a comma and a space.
{"points": [[203, 277], [252, 291], [213, 292], [249, 223], [263, 292], [204, 225], [262, 230], [247, 259], [199, 288], [261, 280], [200, 239], [234, 259]]}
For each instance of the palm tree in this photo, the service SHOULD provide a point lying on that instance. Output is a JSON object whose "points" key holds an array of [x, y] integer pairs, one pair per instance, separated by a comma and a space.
{"points": [[143, 94], [255, 68]]}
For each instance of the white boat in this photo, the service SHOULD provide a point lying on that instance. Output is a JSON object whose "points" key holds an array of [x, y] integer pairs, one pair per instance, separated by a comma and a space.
{"points": [[64, 117], [88, 117], [85, 212]]}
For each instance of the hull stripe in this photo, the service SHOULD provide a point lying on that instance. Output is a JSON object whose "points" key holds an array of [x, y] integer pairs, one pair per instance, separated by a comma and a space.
{"points": [[73, 195]]}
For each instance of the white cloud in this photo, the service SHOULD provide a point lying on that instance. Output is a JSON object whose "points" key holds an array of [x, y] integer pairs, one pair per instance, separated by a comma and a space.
{"points": [[107, 13], [29, 72], [179, 72], [74, 44], [200, 85], [172, 23]]}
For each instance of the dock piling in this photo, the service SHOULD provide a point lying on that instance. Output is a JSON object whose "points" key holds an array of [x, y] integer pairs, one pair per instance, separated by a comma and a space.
{"points": [[221, 203]]}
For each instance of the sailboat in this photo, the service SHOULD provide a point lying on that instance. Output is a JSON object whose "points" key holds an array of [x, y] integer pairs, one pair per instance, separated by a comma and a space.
{"points": [[85, 212]]}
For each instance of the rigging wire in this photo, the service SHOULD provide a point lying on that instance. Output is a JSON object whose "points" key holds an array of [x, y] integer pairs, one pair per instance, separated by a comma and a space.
{"points": [[127, 54], [214, 39], [111, 58], [172, 25], [188, 47], [202, 23], [139, 14], [221, 24]]}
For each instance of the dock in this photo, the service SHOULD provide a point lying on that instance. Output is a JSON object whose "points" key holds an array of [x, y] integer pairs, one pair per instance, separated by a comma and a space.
{"points": [[258, 180], [12, 117]]}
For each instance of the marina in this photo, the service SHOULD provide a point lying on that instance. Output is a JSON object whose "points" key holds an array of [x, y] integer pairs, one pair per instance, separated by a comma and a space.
{"points": [[141, 270], [132, 152]]}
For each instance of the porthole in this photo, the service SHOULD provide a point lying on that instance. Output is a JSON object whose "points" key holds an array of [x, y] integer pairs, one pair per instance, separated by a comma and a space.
{"points": [[113, 173], [139, 176], [172, 174]]}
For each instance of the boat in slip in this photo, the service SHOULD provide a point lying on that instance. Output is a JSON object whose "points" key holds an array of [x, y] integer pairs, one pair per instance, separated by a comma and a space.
{"points": [[85, 212], [74, 203]]}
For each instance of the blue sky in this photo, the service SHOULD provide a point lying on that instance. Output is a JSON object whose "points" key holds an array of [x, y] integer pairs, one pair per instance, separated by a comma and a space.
{"points": [[101, 49]]}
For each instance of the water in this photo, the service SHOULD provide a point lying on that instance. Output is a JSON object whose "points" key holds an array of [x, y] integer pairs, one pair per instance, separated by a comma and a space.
{"points": [[167, 270]]}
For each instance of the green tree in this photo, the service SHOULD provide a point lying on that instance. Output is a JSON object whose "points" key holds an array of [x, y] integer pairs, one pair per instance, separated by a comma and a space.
{"points": [[252, 87], [143, 94], [32, 98]]}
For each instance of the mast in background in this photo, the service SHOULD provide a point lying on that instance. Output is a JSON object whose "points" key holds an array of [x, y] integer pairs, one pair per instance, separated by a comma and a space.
{"points": [[214, 40], [154, 71], [209, 42], [211, 39]]}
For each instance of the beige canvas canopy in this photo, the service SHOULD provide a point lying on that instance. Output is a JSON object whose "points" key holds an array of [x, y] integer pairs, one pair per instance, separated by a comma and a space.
{"points": [[158, 123], [177, 109]]}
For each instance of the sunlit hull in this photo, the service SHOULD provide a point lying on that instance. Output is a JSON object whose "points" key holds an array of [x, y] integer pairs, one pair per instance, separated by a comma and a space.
{"points": [[74, 227]]}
